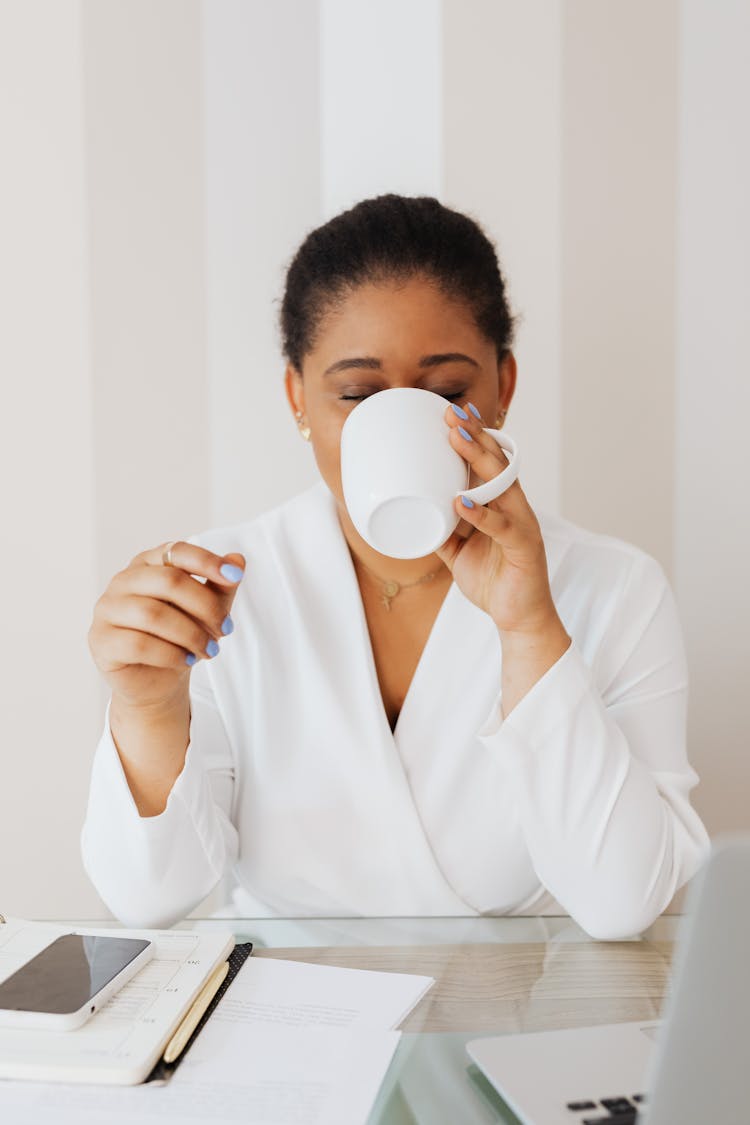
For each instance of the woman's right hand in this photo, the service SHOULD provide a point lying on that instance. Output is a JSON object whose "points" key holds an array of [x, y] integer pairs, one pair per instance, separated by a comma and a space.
{"points": [[153, 622]]}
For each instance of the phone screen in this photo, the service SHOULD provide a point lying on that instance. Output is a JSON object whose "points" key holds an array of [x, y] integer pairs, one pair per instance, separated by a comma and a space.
{"points": [[68, 973]]}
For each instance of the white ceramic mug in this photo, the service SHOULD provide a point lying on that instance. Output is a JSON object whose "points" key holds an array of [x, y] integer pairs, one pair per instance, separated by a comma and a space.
{"points": [[401, 475]]}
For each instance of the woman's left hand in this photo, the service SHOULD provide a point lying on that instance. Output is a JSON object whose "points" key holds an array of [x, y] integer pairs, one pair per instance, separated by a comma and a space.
{"points": [[502, 565]]}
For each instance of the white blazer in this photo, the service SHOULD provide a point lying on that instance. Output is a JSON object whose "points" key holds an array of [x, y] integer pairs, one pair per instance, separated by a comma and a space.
{"points": [[294, 781]]}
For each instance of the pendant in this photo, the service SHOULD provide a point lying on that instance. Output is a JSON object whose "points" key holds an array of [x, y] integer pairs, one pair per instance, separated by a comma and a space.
{"points": [[390, 589]]}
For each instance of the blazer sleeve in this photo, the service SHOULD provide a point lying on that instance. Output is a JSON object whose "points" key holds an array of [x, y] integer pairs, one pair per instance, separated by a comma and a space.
{"points": [[597, 753], [152, 871]]}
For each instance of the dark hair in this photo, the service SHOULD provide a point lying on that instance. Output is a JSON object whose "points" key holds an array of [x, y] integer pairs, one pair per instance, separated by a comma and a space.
{"points": [[393, 237]]}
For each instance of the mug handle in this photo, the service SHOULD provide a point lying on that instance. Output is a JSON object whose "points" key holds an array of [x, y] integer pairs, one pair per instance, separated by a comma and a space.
{"points": [[491, 489]]}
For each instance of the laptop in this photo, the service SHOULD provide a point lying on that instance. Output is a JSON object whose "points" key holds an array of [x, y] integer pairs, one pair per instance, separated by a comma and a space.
{"points": [[691, 1068]]}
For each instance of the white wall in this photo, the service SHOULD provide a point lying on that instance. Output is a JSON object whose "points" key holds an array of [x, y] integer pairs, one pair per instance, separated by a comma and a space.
{"points": [[48, 687], [380, 81], [161, 160], [143, 114], [619, 145], [712, 510], [262, 171], [501, 105]]}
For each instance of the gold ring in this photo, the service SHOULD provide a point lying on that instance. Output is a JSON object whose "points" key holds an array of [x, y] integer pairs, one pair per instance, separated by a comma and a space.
{"points": [[166, 555]]}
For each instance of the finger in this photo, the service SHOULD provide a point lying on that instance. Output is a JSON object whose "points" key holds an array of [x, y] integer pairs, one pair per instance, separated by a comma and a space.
{"points": [[451, 549], [487, 467], [468, 418], [224, 571], [484, 456], [206, 604], [516, 532], [162, 620], [238, 565], [130, 646], [477, 427]]}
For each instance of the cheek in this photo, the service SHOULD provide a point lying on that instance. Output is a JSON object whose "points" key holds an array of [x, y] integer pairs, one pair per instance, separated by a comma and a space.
{"points": [[488, 408], [326, 430]]}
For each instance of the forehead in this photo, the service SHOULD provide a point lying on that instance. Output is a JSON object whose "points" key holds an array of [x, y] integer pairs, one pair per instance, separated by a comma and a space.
{"points": [[393, 317]]}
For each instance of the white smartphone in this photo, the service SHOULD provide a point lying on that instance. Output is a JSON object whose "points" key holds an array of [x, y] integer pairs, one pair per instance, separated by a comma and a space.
{"points": [[74, 976]]}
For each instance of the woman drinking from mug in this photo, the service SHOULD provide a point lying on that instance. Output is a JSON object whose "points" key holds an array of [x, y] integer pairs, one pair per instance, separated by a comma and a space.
{"points": [[497, 727]]}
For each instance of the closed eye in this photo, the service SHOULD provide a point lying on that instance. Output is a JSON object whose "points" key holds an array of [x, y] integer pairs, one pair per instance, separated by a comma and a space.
{"points": [[357, 398]]}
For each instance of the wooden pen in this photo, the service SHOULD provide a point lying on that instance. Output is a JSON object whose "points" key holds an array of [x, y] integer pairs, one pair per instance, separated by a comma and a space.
{"points": [[196, 1010]]}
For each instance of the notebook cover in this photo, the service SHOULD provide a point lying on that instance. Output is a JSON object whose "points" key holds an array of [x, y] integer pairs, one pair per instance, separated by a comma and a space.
{"points": [[163, 1071]]}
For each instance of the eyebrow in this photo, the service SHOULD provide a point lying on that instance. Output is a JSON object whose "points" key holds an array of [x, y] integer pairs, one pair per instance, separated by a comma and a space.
{"points": [[372, 364], [363, 361], [447, 357]]}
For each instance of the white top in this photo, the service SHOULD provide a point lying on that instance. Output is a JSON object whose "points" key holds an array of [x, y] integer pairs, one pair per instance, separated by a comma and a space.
{"points": [[294, 780]]}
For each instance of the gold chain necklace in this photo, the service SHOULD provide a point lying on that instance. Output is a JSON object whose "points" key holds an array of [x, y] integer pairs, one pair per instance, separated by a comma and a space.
{"points": [[391, 588]]}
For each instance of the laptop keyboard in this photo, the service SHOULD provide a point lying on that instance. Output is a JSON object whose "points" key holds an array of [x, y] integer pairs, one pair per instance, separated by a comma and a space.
{"points": [[618, 1111]]}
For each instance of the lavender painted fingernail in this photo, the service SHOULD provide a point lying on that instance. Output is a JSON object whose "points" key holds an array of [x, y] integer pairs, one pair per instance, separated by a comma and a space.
{"points": [[212, 648], [190, 659], [233, 573], [457, 410], [227, 625], [470, 406], [467, 503], [465, 434]]}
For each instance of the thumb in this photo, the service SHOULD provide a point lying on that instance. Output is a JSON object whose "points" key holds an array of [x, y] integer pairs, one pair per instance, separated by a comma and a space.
{"points": [[450, 550], [236, 558], [228, 592]]}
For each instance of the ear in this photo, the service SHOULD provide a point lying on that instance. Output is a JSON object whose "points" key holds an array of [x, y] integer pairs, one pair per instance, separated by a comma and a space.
{"points": [[506, 380], [295, 391]]}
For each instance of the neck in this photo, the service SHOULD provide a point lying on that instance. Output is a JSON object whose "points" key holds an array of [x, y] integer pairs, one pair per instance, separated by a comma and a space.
{"points": [[402, 571]]}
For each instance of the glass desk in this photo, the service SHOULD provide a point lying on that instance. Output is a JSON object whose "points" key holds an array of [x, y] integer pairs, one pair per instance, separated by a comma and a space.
{"points": [[492, 976]]}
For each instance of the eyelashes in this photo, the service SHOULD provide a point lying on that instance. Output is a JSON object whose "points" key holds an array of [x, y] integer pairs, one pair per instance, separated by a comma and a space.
{"points": [[358, 398]]}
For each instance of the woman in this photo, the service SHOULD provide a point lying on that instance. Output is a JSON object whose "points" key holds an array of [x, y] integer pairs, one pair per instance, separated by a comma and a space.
{"points": [[496, 728]]}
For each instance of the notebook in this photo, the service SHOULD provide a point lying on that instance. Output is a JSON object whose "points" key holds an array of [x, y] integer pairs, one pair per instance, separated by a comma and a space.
{"points": [[123, 1043]]}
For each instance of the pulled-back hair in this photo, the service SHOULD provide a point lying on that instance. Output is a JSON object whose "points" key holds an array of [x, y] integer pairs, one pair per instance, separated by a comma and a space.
{"points": [[393, 238]]}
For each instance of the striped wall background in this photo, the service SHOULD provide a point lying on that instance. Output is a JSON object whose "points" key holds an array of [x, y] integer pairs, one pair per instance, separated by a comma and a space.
{"points": [[160, 161]]}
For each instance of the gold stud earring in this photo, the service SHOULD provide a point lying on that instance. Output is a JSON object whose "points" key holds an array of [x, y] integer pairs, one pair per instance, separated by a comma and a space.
{"points": [[500, 420], [304, 430]]}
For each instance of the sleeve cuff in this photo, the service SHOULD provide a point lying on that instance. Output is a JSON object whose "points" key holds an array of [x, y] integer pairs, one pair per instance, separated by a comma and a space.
{"points": [[152, 870], [546, 707], [187, 793]]}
